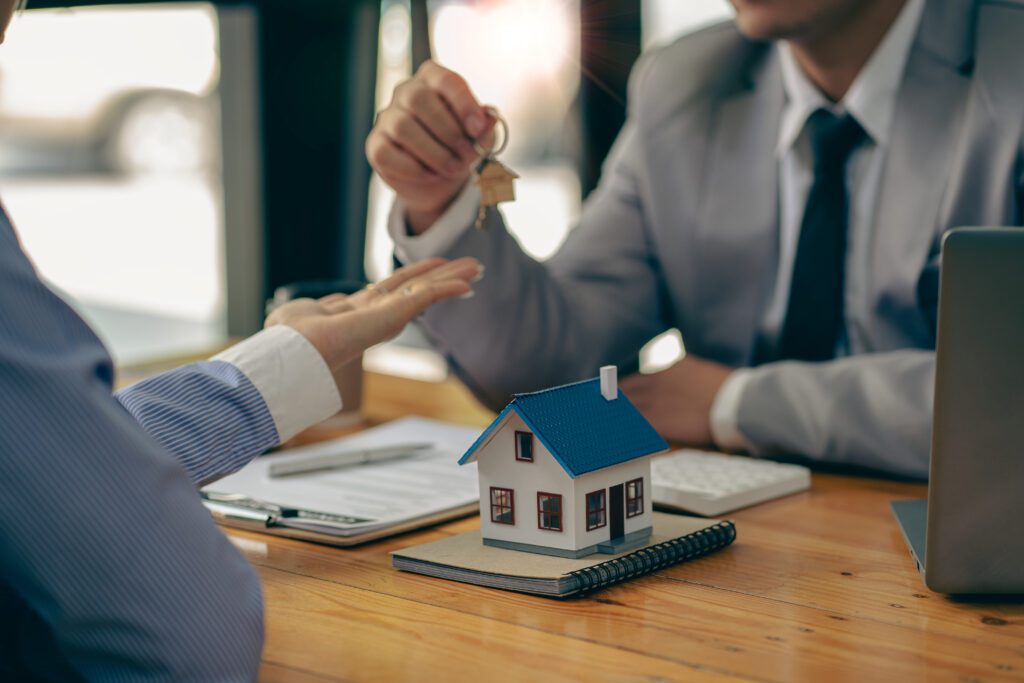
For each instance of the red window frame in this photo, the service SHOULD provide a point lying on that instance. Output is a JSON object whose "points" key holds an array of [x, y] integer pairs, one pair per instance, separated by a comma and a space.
{"points": [[635, 497], [601, 511], [500, 507], [519, 455], [553, 516]]}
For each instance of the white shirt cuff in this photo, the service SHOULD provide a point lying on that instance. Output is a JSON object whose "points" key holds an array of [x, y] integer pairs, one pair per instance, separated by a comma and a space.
{"points": [[725, 413], [442, 235], [291, 376]]}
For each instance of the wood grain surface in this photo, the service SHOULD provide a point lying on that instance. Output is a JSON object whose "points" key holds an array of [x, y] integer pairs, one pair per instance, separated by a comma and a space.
{"points": [[819, 586]]}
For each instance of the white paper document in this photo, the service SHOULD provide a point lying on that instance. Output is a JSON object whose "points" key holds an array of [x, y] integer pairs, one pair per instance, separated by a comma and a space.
{"points": [[359, 499]]}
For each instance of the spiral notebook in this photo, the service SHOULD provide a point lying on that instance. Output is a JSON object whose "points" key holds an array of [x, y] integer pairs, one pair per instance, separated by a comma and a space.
{"points": [[465, 558]]}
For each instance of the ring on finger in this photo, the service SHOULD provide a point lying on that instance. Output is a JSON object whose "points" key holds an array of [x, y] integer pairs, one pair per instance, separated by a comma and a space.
{"points": [[377, 288]]}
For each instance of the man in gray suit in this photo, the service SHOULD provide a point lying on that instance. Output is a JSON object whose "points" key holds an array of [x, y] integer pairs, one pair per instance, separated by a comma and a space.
{"points": [[778, 193]]}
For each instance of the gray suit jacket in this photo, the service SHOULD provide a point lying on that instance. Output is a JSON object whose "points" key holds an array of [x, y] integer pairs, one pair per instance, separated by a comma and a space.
{"points": [[683, 232]]}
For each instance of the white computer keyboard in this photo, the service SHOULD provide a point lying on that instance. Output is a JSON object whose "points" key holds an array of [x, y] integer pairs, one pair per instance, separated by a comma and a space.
{"points": [[711, 484]]}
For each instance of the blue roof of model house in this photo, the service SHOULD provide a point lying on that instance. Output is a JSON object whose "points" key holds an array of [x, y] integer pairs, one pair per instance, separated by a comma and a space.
{"points": [[581, 429]]}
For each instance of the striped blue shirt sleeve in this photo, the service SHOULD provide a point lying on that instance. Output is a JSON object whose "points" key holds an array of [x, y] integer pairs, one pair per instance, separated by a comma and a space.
{"points": [[209, 415], [110, 568], [216, 415]]}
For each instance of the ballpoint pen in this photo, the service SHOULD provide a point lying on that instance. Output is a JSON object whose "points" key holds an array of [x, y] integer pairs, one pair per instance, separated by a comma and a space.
{"points": [[244, 511], [331, 461]]}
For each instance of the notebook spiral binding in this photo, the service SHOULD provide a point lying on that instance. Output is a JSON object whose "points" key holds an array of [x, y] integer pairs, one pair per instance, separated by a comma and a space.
{"points": [[653, 558]]}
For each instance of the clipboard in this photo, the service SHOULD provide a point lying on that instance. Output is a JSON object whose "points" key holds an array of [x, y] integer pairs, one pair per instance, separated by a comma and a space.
{"points": [[356, 504]]}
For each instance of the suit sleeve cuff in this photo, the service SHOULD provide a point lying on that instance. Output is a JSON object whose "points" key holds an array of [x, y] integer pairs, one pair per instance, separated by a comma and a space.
{"points": [[725, 410], [442, 235], [291, 376]]}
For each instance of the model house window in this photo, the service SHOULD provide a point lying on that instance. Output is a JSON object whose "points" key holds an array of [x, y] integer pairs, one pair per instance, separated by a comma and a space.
{"points": [[503, 506], [596, 515], [524, 446], [549, 511], [634, 497]]}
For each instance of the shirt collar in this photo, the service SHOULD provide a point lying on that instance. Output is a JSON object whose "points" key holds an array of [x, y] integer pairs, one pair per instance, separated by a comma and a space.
{"points": [[871, 98]]}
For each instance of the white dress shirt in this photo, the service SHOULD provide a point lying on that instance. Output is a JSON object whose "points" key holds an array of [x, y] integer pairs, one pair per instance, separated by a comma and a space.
{"points": [[291, 376], [870, 100]]}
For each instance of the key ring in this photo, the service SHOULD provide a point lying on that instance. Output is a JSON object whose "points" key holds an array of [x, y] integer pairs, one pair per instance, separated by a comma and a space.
{"points": [[492, 152]]}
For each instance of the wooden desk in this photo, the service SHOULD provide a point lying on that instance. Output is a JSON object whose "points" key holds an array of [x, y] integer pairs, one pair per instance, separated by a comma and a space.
{"points": [[818, 586]]}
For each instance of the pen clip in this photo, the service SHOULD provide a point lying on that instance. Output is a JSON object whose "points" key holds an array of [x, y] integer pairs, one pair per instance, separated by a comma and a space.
{"points": [[240, 516], [244, 511]]}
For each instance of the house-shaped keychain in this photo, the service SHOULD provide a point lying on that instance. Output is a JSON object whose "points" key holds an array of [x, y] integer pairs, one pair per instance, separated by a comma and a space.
{"points": [[496, 183], [567, 471], [495, 180]]}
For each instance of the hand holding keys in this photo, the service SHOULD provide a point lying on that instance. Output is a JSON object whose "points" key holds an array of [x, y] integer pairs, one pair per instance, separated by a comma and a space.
{"points": [[495, 180], [431, 140]]}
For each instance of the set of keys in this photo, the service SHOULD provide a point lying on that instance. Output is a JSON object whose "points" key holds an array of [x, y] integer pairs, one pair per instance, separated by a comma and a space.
{"points": [[495, 180]]}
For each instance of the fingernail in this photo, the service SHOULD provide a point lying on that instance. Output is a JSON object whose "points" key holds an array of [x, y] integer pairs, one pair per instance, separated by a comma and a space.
{"points": [[452, 166], [479, 275], [474, 125], [468, 295], [465, 150]]}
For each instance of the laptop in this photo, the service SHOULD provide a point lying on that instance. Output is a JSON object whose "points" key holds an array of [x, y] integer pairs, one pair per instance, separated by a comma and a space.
{"points": [[968, 537]]}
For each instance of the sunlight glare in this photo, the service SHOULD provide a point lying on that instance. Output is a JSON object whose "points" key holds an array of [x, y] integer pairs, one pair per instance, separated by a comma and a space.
{"points": [[525, 43]]}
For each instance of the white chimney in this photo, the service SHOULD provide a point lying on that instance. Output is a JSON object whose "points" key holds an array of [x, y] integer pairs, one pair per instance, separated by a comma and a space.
{"points": [[609, 382]]}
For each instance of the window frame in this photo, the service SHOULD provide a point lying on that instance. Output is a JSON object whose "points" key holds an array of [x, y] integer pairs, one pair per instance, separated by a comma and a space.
{"points": [[540, 512], [511, 505], [532, 444], [603, 510], [639, 498]]}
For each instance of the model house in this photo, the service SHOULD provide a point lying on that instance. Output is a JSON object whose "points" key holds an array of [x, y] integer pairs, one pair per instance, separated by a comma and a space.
{"points": [[566, 471]]}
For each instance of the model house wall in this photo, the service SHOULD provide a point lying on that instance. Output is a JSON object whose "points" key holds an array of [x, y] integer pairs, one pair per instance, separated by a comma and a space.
{"points": [[497, 466], [604, 480]]}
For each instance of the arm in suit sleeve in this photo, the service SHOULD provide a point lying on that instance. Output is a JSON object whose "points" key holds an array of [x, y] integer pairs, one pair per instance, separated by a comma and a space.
{"points": [[873, 410], [534, 324], [102, 537]]}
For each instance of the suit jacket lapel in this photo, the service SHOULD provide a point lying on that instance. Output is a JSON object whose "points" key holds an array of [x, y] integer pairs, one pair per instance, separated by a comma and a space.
{"points": [[739, 215], [926, 123]]}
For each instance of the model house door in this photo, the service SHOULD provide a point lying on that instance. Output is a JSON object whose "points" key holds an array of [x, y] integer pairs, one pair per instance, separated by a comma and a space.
{"points": [[616, 512]]}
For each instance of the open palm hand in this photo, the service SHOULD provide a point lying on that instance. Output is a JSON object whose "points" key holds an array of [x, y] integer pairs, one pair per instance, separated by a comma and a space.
{"points": [[343, 326]]}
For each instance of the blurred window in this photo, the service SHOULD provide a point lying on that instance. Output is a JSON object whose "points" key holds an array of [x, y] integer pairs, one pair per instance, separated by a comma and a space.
{"points": [[109, 168]]}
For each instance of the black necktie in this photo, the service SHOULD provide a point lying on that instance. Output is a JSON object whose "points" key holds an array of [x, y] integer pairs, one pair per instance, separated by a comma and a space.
{"points": [[814, 316]]}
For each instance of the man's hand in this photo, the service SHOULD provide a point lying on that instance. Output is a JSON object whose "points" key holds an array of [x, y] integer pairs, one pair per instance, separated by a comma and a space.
{"points": [[422, 143], [677, 401], [342, 327]]}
